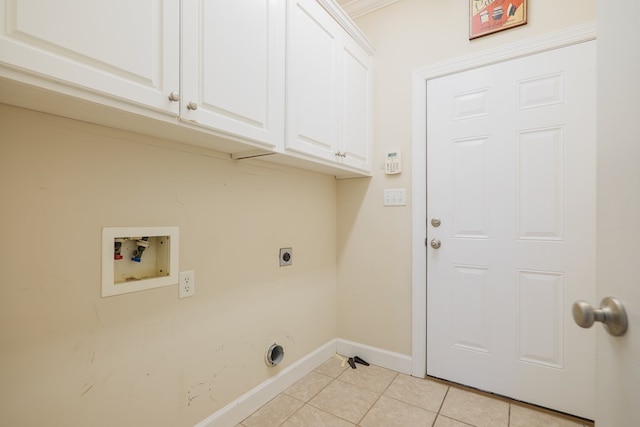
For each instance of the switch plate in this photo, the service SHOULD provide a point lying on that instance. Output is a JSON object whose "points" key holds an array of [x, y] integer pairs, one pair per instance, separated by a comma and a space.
{"points": [[395, 197], [187, 284]]}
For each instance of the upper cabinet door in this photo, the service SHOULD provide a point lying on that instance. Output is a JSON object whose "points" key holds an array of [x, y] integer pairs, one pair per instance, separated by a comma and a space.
{"points": [[313, 81], [356, 112], [328, 88], [233, 67], [124, 49]]}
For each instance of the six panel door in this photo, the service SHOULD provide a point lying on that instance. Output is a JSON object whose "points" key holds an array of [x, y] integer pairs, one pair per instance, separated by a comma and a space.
{"points": [[511, 175]]}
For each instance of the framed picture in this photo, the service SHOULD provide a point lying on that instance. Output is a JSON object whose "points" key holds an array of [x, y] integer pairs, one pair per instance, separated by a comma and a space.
{"points": [[490, 16]]}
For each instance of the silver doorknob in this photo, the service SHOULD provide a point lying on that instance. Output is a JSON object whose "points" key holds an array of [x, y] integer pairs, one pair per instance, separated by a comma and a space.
{"points": [[435, 243], [174, 96], [435, 221], [192, 105], [611, 313]]}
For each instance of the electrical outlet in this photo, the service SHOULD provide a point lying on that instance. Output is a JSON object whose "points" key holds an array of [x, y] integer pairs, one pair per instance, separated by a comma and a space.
{"points": [[286, 256], [187, 284]]}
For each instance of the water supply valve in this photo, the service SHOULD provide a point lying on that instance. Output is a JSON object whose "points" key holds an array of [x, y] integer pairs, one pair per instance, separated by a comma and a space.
{"points": [[117, 248], [143, 244]]}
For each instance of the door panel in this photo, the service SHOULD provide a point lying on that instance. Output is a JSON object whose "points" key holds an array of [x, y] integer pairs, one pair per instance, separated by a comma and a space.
{"points": [[233, 67], [356, 105], [313, 82], [511, 174], [80, 43]]}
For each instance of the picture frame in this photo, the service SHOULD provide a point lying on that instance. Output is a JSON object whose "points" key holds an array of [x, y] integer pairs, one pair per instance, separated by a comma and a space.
{"points": [[490, 16]]}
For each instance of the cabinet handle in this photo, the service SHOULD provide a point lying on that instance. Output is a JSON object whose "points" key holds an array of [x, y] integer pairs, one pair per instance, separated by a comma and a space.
{"points": [[174, 96], [192, 105], [341, 154]]}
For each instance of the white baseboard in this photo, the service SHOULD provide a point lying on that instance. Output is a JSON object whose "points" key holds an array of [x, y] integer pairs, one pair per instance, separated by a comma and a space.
{"points": [[375, 356], [248, 403]]}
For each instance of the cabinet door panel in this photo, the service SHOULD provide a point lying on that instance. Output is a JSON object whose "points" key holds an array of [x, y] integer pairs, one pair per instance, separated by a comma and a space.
{"points": [[313, 102], [124, 49], [233, 67], [356, 107]]}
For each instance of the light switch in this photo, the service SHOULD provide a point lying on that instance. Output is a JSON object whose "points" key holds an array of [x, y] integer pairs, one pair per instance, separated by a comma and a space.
{"points": [[395, 197]]}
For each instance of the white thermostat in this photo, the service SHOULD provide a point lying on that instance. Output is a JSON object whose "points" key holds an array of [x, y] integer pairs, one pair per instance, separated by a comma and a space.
{"points": [[392, 163]]}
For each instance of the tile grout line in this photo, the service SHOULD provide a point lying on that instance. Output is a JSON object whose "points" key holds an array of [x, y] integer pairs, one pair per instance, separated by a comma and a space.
{"points": [[297, 410], [377, 398], [323, 410], [438, 413], [311, 398], [441, 405]]}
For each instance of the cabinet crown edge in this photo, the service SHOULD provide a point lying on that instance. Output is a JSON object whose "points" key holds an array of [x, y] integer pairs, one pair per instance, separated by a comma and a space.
{"points": [[347, 23]]}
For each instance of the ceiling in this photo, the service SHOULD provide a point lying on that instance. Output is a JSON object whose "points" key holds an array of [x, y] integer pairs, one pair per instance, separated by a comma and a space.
{"points": [[356, 8]]}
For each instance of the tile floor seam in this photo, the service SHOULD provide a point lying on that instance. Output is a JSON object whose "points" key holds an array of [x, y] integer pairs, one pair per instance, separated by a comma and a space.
{"points": [[405, 403], [319, 391], [367, 411], [441, 404], [514, 415], [458, 421], [377, 399], [331, 413], [327, 412], [297, 410]]}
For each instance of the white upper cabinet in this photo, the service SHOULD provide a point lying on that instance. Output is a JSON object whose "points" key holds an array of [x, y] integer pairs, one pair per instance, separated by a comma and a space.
{"points": [[356, 106], [328, 89], [289, 80], [233, 67], [312, 72], [124, 49]]}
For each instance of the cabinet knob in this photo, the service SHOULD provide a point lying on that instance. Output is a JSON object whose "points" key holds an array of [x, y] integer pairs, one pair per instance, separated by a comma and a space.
{"points": [[192, 105], [174, 96]]}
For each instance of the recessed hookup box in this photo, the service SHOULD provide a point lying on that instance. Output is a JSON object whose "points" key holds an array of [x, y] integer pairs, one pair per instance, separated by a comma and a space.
{"points": [[138, 258]]}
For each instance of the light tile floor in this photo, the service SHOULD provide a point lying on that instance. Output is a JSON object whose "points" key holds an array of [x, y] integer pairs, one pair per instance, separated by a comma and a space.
{"points": [[370, 396]]}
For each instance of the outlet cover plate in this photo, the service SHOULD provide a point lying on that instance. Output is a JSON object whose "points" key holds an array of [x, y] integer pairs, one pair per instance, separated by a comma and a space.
{"points": [[186, 284]]}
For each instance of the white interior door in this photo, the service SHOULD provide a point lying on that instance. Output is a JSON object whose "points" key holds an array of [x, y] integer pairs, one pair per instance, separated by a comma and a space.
{"points": [[511, 176]]}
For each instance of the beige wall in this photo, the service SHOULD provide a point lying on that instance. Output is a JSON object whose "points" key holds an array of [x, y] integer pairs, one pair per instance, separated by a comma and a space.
{"points": [[374, 242], [72, 358]]}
